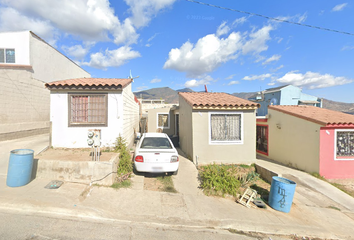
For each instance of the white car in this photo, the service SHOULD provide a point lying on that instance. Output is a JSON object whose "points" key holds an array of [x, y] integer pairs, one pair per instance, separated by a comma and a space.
{"points": [[155, 153]]}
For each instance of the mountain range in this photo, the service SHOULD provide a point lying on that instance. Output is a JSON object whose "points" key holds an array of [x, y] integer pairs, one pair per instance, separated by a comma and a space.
{"points": [[171, 96]]}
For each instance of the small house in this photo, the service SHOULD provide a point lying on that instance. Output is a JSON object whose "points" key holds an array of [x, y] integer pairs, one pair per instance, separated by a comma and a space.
{"points": [[311, 139], [104, 105], [284, 95], [217, 127]]}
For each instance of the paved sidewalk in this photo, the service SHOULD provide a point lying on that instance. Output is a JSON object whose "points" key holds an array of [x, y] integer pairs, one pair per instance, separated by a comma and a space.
{"points": [[313, 213], [36, 143]]}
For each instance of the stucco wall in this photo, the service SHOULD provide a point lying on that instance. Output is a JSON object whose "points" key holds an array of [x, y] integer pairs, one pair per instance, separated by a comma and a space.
{"points": [[20, 42], [51, 65], [130, 115], [294, 141], [185, 128], [329, 167], [153, 120], [206, 152], [76, 137]]}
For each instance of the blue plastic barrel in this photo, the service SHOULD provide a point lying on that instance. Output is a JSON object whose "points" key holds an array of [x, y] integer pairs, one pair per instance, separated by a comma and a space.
{"points": [[281, 194], [19, 172]]}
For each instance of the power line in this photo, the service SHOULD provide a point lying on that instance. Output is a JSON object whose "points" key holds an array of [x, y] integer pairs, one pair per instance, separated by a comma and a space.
{"points": [[271, 18]]}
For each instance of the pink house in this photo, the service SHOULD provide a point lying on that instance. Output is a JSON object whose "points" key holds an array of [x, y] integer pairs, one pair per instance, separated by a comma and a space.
{"points": [[311, 139]]}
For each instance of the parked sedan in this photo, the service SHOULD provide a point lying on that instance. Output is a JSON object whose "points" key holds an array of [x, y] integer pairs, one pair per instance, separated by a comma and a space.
{"points": [[155, 153]]}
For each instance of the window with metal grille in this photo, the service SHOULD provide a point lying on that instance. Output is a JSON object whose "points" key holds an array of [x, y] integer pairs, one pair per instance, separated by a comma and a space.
{"points": [[345, 144], [7, 55], [225, 127], [163, 120], [88, 109]]}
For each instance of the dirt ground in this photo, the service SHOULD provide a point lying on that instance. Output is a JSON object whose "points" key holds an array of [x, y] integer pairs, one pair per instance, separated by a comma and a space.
{"points": [[347, 184], [73, 154]]}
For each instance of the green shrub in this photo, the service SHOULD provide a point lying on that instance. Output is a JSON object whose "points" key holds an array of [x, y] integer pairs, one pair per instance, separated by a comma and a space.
{"points": [[219, 179], [125, 165]]}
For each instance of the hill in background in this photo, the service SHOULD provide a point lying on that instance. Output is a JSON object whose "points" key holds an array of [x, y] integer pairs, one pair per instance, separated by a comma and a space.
{"points": [[171, 96]]}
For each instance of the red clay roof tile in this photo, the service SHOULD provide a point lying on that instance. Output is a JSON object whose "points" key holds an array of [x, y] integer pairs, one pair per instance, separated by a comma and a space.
{"points": [[315, 114], [206, 99], [90, 82]]}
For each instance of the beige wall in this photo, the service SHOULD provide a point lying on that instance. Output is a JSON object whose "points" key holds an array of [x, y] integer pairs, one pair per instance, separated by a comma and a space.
{"points": [[130, 115], [51, 65], [185, 128], [152, 120], [24, 107], [223, 153], [294, 141]]}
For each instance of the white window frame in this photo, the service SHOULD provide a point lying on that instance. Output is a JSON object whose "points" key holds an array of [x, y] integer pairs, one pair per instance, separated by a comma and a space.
{"points": [[5, 60], [168, 120], [226, 142], [335, 145]]}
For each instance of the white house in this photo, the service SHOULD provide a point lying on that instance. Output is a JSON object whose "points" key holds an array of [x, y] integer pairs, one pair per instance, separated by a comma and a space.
{"points": [[27, 62], [83, 104]]}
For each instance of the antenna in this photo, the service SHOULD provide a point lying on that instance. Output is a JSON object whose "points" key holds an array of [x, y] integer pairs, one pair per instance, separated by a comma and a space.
{"points": [[131, 76]]}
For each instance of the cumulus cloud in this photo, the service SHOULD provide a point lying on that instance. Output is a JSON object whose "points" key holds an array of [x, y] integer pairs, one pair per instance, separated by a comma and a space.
{"points": [[195, 83], [13, 20], [312, 80], [257, 42], [112, 58], [339, 7], [78, 51], [271, 59], [233, 82], [212, 50], [257, 77], [155, 80]]}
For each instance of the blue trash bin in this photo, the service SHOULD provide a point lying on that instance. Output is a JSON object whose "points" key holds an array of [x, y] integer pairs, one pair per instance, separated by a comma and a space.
{"points": [[281, 194], [19, 172]]}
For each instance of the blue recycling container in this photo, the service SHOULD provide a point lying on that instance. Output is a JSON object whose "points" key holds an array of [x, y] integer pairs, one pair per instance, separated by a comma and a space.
{"points": [[281, 194], [19, 172]]}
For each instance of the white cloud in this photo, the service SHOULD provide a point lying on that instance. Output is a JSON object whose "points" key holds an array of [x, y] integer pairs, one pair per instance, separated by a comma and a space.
{"points": [[271, 84], [155, 80], [257, 42], [239, 21], [230, 77], [211, 51], [144, 11], [205, 56], [272, 59], [141, 88], [78, 52], [13, 20], [195, 83], [278, 68], [347, 48], [233, 82], [312, 80], [222, 29], [257, 77], [112, 58], [339, 7]]}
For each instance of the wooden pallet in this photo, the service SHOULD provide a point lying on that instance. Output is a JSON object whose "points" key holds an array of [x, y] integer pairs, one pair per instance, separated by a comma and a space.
{"points": [[248, 197]]}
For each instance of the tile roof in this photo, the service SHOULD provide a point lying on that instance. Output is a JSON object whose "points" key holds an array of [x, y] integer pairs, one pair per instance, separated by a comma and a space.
{"points": [[90, 83], [216, 100], [315, 114]]}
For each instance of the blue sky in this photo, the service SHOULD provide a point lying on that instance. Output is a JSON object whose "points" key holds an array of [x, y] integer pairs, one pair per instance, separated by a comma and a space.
{"points": [[178, 44]]}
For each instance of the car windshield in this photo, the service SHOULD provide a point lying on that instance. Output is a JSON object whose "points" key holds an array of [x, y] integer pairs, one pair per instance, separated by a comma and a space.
{"points": [[156, 143]]}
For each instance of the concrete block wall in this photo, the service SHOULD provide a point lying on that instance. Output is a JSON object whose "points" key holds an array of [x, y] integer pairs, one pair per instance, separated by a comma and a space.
{"points": [[130, 115]]}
